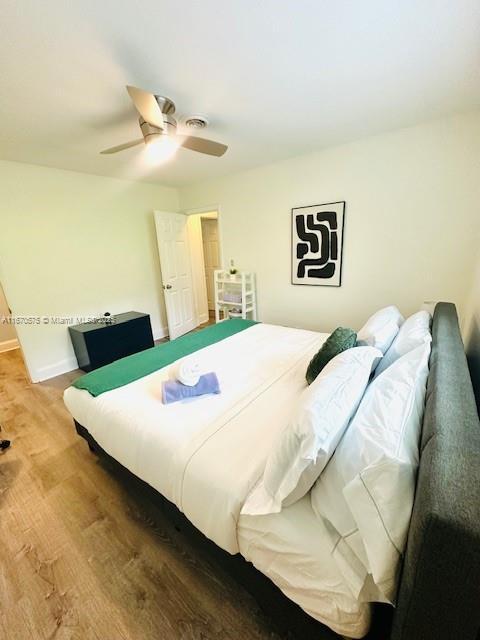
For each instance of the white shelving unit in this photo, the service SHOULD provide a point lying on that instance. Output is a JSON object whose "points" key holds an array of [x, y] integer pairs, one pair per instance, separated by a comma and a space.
{"points": [[235, 296]]}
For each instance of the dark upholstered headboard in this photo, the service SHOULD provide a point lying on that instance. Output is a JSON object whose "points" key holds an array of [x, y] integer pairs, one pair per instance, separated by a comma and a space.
{"points": [[439, 595]]}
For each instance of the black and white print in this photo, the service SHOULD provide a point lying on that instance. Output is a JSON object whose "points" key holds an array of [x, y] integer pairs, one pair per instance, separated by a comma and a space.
{"points": [[317, 238]]}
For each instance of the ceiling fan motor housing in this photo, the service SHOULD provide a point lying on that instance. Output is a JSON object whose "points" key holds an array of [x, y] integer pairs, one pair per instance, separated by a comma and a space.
{"points": [[148, 130], [166, 105]]}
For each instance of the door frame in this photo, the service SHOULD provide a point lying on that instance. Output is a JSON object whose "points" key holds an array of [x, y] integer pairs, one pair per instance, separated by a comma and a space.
{"points": [[209, 209]]}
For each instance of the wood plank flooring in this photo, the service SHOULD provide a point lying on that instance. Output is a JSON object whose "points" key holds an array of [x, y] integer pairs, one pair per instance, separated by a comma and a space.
{"points": [[80, 559]]}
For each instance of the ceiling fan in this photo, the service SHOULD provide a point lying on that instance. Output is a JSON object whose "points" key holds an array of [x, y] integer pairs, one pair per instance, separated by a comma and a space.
{"points": [[159, 127]]}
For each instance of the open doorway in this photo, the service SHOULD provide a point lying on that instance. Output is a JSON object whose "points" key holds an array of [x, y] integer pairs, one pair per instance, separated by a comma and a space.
{"points": [[206, 257], [13, 370], [211, 256], [8, 334]]}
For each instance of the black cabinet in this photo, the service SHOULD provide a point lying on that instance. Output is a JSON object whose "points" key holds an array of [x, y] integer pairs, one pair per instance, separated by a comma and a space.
{"points": [[98, 343]]}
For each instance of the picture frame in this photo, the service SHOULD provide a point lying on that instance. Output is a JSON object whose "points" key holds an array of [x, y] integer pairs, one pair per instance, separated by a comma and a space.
{"points": [[317, 244]]}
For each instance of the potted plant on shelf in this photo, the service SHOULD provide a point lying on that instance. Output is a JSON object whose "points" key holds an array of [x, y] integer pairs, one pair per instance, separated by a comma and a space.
{"points": [[233, 271]]}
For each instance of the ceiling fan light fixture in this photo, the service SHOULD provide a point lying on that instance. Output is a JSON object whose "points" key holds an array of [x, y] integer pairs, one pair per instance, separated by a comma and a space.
{"points": [[160, 148]]}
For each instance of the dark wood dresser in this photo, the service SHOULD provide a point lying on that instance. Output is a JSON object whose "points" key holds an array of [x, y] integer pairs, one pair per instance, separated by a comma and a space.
{"points": [[99, 343]]}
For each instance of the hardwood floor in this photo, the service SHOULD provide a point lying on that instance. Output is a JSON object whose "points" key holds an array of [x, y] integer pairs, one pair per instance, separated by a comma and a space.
{"points": [[211, 320], [80, 558]]}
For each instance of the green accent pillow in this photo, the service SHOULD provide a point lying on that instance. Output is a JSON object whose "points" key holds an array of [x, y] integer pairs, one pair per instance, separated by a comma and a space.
{"points": [[340, 340]]}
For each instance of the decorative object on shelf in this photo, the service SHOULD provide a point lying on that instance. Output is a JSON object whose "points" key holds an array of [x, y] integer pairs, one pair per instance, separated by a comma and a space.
{"points": [[317, 243], [232, 296], [233, 271], [108, 317], [235, 294]]}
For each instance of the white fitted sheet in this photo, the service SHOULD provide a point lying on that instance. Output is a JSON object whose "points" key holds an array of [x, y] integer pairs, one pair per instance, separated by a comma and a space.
{"points": [[294, 550], [206, 454]]}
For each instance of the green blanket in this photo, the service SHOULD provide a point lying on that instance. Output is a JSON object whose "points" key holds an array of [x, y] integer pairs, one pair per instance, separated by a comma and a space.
{"points": [[122, 372]]}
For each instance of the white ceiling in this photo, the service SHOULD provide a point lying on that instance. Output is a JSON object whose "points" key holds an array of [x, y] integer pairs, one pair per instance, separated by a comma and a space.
{"points": [[276, 78]]}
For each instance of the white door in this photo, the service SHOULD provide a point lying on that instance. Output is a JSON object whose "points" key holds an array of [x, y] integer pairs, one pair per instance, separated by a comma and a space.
{"points": [[172, 239], [211, 255]]}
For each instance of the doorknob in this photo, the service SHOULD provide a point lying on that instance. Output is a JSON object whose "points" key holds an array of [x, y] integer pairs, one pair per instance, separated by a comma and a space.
{"points": [[168, 286]]}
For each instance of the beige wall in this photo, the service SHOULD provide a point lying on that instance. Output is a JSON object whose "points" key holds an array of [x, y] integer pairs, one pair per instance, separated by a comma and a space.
{"points": [[411, 226], [74, 244]]}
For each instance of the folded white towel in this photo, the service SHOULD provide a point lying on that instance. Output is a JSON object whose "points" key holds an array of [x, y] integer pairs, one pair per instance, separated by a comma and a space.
{"points": [[187, 372]]}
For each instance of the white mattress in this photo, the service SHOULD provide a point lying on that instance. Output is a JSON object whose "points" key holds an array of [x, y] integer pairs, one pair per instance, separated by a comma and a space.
{"points": [[293, 549], [205, 455]]}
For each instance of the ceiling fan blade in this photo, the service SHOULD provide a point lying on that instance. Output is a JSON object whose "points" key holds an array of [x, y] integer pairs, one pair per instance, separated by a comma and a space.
{"points": [[147, 106], [121, 147], [202, 145]]}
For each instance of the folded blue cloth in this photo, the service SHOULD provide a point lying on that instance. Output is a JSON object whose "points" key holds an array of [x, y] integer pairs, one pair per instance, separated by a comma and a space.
{"points": [[173, 391]]}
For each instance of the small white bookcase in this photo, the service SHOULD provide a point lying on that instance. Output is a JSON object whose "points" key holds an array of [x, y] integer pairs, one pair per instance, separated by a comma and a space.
{"points": [[235, 295]]}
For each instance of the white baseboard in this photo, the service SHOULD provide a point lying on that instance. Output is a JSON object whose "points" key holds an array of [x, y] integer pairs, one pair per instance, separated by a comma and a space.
{"points": [[9, 345], [52, 370], [161, 333], [70, 364], [203, 317]]}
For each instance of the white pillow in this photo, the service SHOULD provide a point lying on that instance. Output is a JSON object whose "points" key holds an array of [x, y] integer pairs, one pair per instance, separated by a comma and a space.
{"points": [[381, 328], [318, 422], [413, 332], [366, 492]]}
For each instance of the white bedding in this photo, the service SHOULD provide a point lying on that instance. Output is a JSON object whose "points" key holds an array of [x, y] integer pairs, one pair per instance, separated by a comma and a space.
{"points": [[206, 454], [294, 550]]}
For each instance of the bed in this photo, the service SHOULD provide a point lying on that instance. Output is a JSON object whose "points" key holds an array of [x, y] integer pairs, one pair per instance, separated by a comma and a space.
{"points": [[187, 466]]}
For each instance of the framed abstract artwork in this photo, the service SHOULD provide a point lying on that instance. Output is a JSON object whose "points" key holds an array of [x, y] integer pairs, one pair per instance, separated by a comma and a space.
{"points": [[317, 242]]}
